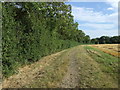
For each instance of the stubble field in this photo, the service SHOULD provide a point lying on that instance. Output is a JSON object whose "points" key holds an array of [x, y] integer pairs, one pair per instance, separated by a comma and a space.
{"points": [[112, 49]]}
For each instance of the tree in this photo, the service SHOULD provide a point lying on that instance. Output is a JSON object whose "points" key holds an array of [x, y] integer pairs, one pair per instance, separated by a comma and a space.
{"points": [[32, 30], [106, 40], [86, 39]]}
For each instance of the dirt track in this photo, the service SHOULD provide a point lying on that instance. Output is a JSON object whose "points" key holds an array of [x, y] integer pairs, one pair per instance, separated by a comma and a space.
{"points": [[70, 80], [82, 71]]}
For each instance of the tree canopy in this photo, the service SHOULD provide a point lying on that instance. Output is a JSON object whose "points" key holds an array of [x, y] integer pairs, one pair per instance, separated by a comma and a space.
{"points": [[32, 30], [106, 40]]}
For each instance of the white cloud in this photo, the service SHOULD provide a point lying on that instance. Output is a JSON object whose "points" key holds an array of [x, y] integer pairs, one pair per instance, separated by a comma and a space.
{"points": [[103, 24], [113, 3], [99, 33], [110, 8], [97, 30], [83, 14], [89, 8]]}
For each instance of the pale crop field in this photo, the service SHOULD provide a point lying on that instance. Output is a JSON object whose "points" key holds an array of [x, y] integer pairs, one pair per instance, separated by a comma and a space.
{"points": [[112, 49]]}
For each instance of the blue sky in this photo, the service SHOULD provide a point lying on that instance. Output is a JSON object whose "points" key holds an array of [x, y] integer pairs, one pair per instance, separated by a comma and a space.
{"points": [[96, 18]]}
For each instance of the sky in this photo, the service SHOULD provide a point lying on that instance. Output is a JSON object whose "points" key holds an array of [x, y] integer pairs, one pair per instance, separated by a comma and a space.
{"points": [[96, 19]]}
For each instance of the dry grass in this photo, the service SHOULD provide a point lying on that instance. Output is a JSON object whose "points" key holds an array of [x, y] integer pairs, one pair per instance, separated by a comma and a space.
{"points": [[28, 73], [51, 71], [112, 49]]}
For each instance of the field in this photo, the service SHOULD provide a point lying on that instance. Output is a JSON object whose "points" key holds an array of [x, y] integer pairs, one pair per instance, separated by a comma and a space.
{"points": [[84, 66], [107, 63], [112, 49]]}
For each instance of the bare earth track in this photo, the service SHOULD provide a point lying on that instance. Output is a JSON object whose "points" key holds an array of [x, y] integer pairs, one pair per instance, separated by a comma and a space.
{"points": [[78, 70], [70, 80]]}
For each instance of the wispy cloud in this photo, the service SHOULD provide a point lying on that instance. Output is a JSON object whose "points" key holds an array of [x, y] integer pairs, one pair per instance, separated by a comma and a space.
{"points": [[110, 8], [89, 15], [97, 21], [113, 3], [99, 33]]}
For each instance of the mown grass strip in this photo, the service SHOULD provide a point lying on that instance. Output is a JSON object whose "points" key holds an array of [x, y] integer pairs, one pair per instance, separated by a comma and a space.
{"points": [[108, 63]]}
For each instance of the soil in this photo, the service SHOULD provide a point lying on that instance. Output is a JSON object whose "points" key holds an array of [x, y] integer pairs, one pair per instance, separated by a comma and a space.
{"points": [[71, 80]]}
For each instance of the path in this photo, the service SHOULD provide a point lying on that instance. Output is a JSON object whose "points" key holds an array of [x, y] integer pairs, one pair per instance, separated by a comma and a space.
{"points": [[71, 80], [69, 68]]}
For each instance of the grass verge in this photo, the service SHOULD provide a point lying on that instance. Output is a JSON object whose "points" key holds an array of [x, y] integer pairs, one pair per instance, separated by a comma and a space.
{"points": [[52, 74], [108, 63]]}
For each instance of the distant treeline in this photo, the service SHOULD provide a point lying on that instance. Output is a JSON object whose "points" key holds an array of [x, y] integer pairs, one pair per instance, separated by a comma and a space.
{"points": [[32, 30], [106, 40]]}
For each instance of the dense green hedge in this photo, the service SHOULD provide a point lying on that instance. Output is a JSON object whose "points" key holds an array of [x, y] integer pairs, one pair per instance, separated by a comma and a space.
{"points": [[33, 30]]}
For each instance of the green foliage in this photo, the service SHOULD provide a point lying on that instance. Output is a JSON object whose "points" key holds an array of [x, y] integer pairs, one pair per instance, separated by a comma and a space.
{"points": [[33, 30], [106, 40]]}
